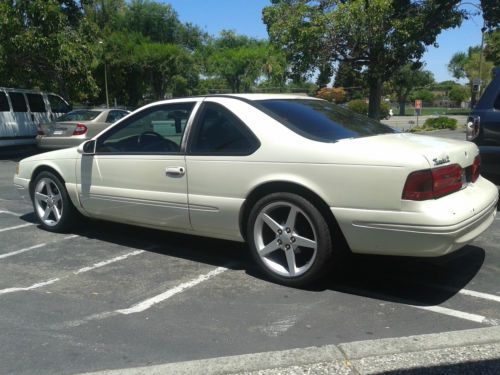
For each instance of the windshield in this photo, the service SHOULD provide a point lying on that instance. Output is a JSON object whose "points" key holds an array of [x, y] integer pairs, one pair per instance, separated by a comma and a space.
{"points": [[322, 121], [80, 115]]}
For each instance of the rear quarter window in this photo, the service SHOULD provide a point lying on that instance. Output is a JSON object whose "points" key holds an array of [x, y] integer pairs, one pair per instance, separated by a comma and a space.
{"points": [[36, 103]]}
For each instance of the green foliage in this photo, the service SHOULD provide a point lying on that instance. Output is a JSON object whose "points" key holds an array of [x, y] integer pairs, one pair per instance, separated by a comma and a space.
{"points": [[423, 94], [47, 44], [361, 106], [458, 93], [332, 94], [442, 122], [405, 80], [379, 35], [492, 49], [491, 13]]}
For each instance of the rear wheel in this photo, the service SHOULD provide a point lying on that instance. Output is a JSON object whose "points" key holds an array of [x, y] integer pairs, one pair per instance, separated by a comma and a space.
{"points": [[52, 205], [290, 239]]}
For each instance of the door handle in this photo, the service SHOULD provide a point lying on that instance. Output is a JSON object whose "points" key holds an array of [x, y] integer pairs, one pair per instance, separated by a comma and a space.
{"points": [[176, 171]]}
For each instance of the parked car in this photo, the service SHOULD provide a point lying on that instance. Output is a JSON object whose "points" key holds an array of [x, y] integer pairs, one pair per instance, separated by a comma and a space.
{"points": [[21, 111], [297, 178], [76, 127], [483, 126]]}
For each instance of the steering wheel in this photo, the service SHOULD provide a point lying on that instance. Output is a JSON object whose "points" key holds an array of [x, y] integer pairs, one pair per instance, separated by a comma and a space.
{"points": [[158, 140]]}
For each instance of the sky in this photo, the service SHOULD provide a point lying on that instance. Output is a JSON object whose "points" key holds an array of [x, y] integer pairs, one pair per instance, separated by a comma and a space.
{"points": [[245, 17]]}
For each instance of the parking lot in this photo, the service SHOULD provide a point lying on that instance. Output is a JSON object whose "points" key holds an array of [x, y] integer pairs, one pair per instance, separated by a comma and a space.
{"points": [[110, 296]]}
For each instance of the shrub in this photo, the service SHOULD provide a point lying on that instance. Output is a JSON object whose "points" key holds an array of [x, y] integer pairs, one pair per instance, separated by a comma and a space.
{"points": [[361, 106], [332, 94], [441, 122]]}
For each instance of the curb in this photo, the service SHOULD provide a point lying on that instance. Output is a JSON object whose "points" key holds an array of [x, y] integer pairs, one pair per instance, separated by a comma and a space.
{"points": [[480, 346]]}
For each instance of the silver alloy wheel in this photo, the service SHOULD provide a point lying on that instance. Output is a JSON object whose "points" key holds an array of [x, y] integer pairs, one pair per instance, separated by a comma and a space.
{"points": [[48, 202], [282, 228]]}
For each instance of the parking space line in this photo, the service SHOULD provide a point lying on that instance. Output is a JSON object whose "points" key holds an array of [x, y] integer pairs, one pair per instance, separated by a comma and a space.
{"points": [[482, 295], [16, 227], [109, 261], [34, 247], [81, 270], [10, 213], [34, 286], [150, 302], [458, 314]]}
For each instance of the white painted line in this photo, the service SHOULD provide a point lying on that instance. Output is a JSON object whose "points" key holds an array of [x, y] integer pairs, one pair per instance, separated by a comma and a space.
{"points": [[34, 286], [10, 213], [7, 255], [458, 314], [106, 262], [16, 227], [473, 293], [144, 305]]}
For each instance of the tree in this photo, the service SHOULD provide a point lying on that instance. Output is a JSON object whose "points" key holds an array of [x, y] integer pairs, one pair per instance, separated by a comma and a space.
{"points": [[422, 94], [405, 80], [491, 13], [48, 44], [379, 35], [459, 93], [492, 49]]}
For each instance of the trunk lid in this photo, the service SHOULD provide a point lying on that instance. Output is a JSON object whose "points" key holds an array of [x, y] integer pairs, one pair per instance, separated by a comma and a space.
{"points": [[59, 129]]}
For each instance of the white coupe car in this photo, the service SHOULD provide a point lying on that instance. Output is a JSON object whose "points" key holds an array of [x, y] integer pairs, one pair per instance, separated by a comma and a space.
{"points": [[297, 178]]}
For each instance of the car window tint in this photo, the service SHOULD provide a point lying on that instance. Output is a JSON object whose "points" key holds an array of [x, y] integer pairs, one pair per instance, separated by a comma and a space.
{"points": [[219, 131], [496, 105], [36, 103], [79, 115], [57, 104], [320, 120], [18, 102], [115, 116], [157, 129], [4, 104]]}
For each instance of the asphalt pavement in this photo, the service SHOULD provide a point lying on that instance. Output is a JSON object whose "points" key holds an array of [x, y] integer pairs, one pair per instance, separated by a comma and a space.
{"points": [[115, 299]]}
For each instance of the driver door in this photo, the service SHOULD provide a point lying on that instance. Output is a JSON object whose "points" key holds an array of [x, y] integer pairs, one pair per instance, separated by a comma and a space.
{"points": [[138, 172]]}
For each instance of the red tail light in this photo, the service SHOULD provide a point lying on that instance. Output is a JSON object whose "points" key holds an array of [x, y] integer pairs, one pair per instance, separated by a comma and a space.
{"points": [[80, 129], [433, 183], [475, 168]]}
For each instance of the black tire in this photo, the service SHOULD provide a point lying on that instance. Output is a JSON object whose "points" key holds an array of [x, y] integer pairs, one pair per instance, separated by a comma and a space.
{"points": [[68, 214], [309, 220]]}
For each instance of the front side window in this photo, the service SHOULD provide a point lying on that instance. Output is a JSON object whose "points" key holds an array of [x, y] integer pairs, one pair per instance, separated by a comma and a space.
{"points": [[320, 120], [36, 103], [218, 131], [18, 102], [157, 129], [57, 104]]}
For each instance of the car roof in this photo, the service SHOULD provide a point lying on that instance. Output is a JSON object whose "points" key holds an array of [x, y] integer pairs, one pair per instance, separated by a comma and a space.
{"points": [[268, 96]]}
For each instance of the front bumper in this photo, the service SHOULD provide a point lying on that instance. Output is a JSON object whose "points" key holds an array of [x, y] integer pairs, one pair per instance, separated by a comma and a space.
{"points": [[22, 186], [438, 228]]}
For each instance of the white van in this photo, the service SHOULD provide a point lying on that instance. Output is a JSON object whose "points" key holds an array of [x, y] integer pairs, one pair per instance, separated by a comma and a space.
{"points": [[21, 112]]}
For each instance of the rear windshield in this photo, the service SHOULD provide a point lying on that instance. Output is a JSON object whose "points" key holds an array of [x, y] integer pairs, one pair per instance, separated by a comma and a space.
{"points": [[322, 121], [80, 115]]}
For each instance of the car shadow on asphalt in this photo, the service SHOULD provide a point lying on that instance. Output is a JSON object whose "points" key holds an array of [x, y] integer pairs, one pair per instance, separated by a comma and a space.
{"points": [[16, 153], [408, 280], [417, 281]]}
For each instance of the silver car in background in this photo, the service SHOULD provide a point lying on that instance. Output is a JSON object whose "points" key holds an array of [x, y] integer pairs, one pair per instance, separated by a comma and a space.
{"points": [[76, 127]]}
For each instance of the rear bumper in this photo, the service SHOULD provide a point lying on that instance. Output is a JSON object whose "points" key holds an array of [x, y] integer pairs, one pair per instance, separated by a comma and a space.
{"points": [[438, 229]]}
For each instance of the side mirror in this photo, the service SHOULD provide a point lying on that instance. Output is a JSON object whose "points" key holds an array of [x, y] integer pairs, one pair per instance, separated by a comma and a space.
{"points": [[87, 148]]}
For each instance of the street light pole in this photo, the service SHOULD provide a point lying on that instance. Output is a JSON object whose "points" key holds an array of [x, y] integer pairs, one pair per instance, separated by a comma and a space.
{"points": [[105, 77], [106, 83]]}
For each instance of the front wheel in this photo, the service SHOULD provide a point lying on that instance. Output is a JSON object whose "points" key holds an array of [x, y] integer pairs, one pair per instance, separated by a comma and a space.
{"points": [[290, 239], [52, 205]]}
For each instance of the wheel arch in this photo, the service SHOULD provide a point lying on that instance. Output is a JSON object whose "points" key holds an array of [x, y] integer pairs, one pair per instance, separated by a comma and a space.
{"points": [[43, 168], [290, 187]]}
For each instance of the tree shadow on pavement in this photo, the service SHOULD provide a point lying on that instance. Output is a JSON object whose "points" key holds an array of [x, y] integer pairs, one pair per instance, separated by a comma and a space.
{"points": [[16, 153], [483, 367]]}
